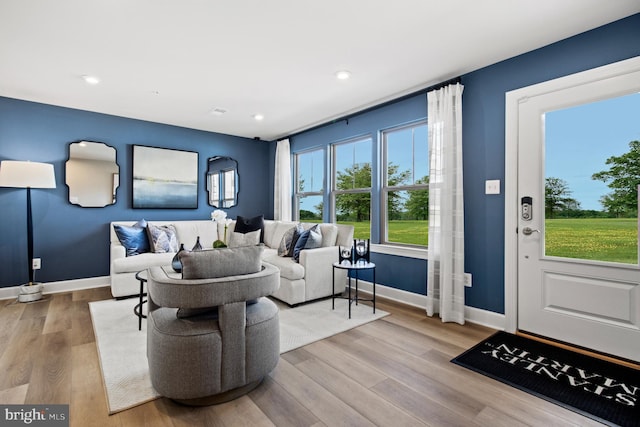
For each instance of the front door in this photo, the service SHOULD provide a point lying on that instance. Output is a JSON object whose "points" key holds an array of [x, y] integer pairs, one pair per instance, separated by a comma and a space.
{"points": [[577, 243]]}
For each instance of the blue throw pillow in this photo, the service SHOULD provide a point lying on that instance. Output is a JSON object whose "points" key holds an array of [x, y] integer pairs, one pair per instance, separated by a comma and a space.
{"points": [[300, 244], [298, 230], [134, 238]]}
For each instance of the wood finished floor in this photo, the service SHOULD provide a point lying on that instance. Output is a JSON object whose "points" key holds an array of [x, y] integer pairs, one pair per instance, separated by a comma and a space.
{"points": [[391, 372]]}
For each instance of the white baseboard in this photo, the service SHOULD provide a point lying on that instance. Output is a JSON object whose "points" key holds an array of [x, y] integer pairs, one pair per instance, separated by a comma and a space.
{"points": [[471, 314], [61, 286]]}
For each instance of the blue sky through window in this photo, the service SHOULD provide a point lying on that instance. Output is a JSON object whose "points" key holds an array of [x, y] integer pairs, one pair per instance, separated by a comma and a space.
{"points": [[578, 141]]}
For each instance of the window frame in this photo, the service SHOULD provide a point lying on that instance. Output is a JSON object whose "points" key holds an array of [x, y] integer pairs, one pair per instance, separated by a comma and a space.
{"points": [[298, 195], [385, 189]]}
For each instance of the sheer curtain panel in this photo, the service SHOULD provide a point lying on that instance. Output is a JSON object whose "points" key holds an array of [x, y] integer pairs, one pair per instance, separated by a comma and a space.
{"points": [[282, 182], [445, 275]]}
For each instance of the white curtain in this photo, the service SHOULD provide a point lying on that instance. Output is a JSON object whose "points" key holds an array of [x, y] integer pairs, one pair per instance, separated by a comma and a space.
{"points": [[445, 275], [282, 182]]}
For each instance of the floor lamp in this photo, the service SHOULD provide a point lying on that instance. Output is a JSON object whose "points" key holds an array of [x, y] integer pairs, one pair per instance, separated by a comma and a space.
{"points": [[19, 174]]}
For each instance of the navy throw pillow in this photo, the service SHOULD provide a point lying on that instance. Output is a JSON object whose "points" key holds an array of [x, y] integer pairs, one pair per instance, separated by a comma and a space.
{"points": [[294, 239], [300, 244], [134, 238], [245, 225]]}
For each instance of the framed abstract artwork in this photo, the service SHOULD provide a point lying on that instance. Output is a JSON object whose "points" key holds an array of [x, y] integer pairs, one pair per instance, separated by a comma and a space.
{"points": [[164, 178]]}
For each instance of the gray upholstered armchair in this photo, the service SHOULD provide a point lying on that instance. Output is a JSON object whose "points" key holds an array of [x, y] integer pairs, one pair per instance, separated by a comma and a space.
{"points": [[211, 335]]}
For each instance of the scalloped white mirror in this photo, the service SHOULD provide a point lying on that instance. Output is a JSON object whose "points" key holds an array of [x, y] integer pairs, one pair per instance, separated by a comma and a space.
{"points": [[92, 174]]}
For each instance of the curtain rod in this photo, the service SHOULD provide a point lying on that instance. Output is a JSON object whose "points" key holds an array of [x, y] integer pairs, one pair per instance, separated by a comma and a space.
{"points": [[346, 118]]}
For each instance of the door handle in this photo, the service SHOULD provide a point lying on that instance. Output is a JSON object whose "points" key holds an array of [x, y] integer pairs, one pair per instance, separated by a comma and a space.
{"points": [[528, 231]]}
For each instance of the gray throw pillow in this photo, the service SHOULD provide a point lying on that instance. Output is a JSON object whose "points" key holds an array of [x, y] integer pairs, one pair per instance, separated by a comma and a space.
{"points": [[162, 238], [237, 240], [315, 238], [288, 243], [223, 262]]}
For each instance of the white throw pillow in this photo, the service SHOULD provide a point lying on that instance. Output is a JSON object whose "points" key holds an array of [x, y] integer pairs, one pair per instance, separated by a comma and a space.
{"points": [[237, 240]]}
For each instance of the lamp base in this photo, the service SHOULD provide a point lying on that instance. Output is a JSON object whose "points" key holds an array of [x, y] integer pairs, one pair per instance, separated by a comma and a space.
{"points": [[30, 292]]}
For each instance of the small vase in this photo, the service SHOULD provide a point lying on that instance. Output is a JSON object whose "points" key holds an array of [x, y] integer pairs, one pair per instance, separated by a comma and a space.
{"points": [[197, 246], [175, 262]]}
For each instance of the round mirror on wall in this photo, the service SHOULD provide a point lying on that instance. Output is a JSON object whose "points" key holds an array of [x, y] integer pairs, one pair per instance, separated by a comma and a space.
{"points": [[92, 174], [222, 181]]}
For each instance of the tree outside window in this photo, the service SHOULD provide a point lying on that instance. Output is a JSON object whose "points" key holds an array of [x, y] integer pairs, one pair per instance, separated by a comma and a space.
{"points": [[352, 185], [405, 189]]}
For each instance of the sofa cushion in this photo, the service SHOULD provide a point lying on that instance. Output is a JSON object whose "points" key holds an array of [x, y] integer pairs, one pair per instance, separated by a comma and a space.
{"points": [[189, 231], [246, 225], [223, 262], [133, 238], [141, 262], [275, 230], [289, 269], [237, 240], [162, 238], [329, 234]]}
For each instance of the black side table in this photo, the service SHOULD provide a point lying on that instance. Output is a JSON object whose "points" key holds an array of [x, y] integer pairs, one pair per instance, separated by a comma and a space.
{"points": [[357, 267], [137, 310]]}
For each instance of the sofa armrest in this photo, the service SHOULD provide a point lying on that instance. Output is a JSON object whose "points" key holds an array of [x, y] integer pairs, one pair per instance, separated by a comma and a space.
{"points": [[318, 270], [117, 251], [317, 259]]}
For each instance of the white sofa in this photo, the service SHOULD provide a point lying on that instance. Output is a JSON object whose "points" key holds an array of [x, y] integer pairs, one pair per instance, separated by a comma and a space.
{"points": [[306, 280]]}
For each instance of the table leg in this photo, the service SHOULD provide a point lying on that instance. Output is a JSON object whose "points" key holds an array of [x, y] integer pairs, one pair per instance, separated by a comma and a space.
{"points": [[140, 315], [374, 290], [333, 289], [349, 296]]}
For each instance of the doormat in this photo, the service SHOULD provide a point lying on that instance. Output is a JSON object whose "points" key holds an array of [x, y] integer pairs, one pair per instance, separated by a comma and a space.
{"points": [[595, 388]]}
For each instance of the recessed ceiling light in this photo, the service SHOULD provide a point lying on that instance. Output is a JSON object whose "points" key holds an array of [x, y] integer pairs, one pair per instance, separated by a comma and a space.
{"points": [[218, 111], [92, 80], [258, 117], [343, 75]]}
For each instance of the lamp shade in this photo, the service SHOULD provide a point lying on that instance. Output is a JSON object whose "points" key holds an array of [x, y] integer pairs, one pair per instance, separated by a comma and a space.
{"points": [[20, 174]]}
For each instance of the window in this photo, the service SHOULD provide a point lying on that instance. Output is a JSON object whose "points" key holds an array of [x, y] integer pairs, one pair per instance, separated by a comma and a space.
{"points": [[352, 185], [225, 180], [309, 185], [405, 185]]}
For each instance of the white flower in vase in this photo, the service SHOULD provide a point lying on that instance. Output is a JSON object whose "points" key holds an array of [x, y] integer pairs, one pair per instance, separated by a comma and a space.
{"points": [[220, 216]]}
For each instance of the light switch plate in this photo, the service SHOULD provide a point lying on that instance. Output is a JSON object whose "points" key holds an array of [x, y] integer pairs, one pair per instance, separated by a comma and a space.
{"points": [[492, 186]]}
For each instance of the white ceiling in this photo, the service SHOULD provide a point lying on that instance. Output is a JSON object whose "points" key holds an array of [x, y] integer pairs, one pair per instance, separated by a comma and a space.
{"points": [[173, 61]]}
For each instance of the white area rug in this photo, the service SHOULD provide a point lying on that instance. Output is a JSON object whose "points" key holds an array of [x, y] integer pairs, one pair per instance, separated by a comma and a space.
{"points": [[122, 348]]}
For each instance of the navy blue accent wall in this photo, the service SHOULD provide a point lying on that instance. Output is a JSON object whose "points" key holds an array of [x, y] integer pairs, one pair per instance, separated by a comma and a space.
{"points": [[73, 242], [484, 147]]}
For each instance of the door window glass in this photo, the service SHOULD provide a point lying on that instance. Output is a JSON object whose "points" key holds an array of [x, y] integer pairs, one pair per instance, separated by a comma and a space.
{"points": [[592, 175]]}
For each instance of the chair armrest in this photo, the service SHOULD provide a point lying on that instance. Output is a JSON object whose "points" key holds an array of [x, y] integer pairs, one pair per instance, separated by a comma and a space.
{"points": [[196, 293]]}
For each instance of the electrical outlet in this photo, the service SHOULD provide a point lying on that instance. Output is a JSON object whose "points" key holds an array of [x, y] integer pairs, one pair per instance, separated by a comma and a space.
{"points": [[36, 263], [467, 280]]}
